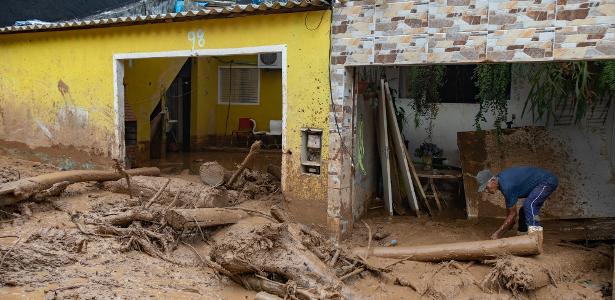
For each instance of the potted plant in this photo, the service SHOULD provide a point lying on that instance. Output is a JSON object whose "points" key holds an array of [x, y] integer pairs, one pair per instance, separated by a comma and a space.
{"points": [[427, 152]]}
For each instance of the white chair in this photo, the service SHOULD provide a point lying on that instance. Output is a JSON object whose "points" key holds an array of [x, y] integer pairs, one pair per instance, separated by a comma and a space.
{"points": [[257, 134], [275, 131]]}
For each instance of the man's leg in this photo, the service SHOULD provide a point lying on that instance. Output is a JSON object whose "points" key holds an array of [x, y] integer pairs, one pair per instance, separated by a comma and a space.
{"points": [[534, 201]]}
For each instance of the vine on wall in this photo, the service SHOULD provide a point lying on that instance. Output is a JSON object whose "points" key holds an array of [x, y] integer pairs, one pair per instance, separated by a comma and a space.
{"points": [[424, 89], [493, 83]]}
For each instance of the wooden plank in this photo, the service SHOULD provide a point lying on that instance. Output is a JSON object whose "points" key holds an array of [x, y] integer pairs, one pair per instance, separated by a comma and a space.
{"points": [[383, 149], [397, 191], [398, 143]]}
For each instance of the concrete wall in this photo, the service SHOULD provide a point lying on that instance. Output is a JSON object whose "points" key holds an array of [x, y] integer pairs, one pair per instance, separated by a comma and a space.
{"points": [[209, 117], [579, 155], [57, 87], [459, 117]]}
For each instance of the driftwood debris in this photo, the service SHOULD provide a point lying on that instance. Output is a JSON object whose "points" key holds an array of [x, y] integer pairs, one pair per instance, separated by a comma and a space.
{"points": [[525, 245], [203, 217], [214, 174], [193, 194], [48, 184], [254, 150], [276, 171]]}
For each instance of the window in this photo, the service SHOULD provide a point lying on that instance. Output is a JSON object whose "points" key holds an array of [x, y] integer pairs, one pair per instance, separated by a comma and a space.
{"points": [[459, 85], [239, 84]]}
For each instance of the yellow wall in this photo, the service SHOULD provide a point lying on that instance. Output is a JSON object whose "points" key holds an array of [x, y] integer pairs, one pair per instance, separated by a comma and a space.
{"points": [[56, 88], [145, 81], [211, 116]]}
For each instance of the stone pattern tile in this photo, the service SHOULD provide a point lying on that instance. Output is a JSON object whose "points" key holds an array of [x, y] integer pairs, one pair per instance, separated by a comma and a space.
{"points": [[353, 21], [582, 12], [589, 41], [353, 51], [400, 48], [458, 15], [401, 18], [457, 47], [504, 15], [520, 45]]}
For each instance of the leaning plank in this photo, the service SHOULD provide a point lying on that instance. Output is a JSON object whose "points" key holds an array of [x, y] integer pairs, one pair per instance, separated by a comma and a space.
{"points": [[383, 149], [203, 217], [398, 144], [525, 245], [26, 188]]}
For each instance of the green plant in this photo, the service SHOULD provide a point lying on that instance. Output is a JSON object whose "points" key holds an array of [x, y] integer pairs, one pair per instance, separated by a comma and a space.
{"points": [[400, 112], [428, 149], [424, 84], [493, 83], [578, 86]]}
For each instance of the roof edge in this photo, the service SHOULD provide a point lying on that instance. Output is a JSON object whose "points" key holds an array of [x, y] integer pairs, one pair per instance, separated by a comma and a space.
{"points": [[235, 11]]}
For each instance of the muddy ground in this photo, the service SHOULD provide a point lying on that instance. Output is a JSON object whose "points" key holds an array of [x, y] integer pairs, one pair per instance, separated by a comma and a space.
{"points": [[45, 255]]}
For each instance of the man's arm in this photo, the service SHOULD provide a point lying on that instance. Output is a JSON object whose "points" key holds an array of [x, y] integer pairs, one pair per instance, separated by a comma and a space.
{"points": [[508, 223]]}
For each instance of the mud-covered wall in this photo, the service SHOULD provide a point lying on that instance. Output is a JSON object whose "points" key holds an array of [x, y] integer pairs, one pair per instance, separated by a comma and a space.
{"points": [[57, 88], [577, 156]]}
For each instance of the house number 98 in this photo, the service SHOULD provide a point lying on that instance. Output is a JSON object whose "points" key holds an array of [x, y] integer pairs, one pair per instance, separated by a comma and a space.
{"points": [[197, 38]]}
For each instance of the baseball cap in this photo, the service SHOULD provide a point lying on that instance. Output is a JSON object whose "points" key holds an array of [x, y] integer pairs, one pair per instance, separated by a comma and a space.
{"points": [[483, 178]]}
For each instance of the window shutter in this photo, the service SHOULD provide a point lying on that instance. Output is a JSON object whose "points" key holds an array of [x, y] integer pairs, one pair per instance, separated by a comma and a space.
{"points": [[239, 84]]}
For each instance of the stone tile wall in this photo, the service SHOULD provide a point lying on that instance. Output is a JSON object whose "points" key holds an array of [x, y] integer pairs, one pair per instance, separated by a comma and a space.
{"points": [[403, 32]]}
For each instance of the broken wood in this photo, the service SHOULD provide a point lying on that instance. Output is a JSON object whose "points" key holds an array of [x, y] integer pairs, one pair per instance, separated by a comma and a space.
{"points": [[275, 288], [399, 148], [530, 244], [126, 218], [193, 194], [279, 214], [156, 196], [213, 174], [27, 188], [275, 171], [254, 150], [202, 217]]}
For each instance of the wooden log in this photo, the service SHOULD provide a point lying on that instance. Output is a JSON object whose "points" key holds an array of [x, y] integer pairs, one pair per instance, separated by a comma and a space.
{"points": [[203, 217], [214, 174], [525, 245], [26, 188], [193, 194], [254, 150]]}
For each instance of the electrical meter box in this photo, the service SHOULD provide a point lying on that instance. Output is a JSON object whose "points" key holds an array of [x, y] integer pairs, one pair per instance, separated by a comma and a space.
{"points": [[311, 150]]}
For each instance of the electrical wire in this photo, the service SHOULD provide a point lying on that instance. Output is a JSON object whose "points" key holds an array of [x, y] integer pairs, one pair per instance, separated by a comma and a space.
{"points": [[319, 22]]}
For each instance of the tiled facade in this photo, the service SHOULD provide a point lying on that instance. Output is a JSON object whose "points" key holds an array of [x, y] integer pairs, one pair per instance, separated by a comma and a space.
{"points": [[396, 32]]}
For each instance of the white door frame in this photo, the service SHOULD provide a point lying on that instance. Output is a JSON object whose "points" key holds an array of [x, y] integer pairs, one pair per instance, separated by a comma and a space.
{"points": [[119, 149]]}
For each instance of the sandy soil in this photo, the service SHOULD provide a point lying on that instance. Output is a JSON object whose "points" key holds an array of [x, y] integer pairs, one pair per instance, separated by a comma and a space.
{"points": [[94, 267]]}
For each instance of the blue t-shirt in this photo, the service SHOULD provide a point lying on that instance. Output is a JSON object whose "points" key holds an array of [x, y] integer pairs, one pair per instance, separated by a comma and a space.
{"points": [[518, 182]]}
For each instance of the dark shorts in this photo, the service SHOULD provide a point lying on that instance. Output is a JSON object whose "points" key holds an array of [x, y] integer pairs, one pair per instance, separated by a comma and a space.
{"points": [[529, 213]]}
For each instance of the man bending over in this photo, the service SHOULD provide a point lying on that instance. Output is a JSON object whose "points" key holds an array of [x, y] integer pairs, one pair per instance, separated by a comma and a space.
{"points": [[534, 184]]}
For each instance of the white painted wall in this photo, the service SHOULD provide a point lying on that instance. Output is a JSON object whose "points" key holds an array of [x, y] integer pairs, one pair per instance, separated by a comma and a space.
{"points": [[459, 117], [592, 148]]}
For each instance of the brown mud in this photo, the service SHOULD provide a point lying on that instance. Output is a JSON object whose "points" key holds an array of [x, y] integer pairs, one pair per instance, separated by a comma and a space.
{"points": [[46, 254]]}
